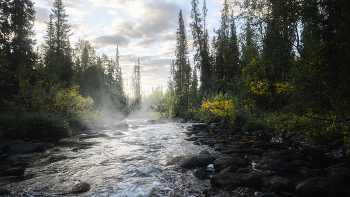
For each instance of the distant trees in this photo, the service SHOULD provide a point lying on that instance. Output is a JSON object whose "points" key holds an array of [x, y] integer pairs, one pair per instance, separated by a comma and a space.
{"points": [[136, 86]]}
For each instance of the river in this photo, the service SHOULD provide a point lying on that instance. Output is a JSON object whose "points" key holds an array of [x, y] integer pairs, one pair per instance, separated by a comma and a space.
{"points": [[129, 163]]}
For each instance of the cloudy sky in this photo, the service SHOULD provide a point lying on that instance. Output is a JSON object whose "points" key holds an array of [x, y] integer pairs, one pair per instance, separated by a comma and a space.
{"points": [[143, 29]]}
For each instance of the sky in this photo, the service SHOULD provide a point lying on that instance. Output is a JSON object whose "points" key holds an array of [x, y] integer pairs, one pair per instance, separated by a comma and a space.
{"points": [[142, 29]]}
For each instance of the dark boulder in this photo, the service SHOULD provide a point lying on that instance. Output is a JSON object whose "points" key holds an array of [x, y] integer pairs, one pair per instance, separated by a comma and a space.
{"points": [[225, 162], [301, 163], [118, 126], [210, 142], [219, 147], [4, 193], [279, 184], [117, 133], [339, 176], [15, 161], [18, 171], [80, 188], [253, 180], [234, 180], [252, 158], [94, 135], [335, 156], [192, 161], [228, 180], [253, 151], [319, 187], [19, 146], [202, 173], [199, 127], [275, 165], [317, 153]]}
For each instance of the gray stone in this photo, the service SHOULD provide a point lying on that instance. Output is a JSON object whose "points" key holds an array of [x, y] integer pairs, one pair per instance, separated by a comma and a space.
{"points": [[319, 187]]}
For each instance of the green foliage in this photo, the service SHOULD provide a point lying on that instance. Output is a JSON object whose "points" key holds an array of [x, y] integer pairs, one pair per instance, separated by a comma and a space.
{"points": [[253, 126], [33, 125], [239, 119]]}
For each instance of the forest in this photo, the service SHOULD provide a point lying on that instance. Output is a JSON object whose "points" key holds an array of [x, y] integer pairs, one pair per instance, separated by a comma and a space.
{"points": [[55, 88], [276, 65], [284, 69]]}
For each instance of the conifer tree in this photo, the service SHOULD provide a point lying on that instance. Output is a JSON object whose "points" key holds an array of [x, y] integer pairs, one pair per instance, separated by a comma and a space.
{"points": [[17, 18], [58, 58], [182, 70], [200, 42]]}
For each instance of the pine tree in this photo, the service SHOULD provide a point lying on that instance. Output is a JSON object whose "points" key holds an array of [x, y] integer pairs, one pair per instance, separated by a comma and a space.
{"points": [[182, 70], [58, 53], [16, 41], [200, 42]]}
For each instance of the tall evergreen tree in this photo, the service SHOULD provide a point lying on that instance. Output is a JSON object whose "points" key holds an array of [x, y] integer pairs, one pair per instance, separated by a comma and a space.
{"points": [[58, 58], [200, 42], [16, 40], [182, 70]]}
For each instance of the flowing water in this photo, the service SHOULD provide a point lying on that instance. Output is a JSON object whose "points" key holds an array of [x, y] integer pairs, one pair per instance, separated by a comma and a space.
{"points": [[131, 162]]}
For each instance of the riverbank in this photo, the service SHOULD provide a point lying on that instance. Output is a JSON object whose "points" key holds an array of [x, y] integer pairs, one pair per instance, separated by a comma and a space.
{"points": [[260, 164]]}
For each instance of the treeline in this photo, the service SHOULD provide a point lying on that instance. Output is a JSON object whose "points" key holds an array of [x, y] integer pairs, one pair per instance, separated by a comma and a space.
{"points": [[50, 90], [286, 71]]}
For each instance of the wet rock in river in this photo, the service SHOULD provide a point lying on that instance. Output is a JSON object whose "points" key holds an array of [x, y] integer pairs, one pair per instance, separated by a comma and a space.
{"points": [[199, 127], [4, 193], [225, 162], [319, 187], [19, 146], [117, 133], [339, 176], [276, 165], [118, 126], [253, 151], [301, 163], [253, 180], [234, 180], [15, 161], [219, 147], [228, 180], [279, 184], [19, 171], [317, 153], [202, 173], [95, 135], [192, 161], [80, 188]]}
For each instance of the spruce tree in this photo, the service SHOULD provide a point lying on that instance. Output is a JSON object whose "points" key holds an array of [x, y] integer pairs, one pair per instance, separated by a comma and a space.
{"points": [[17, 18], [200, 43], [182, 70], [58, 58]]}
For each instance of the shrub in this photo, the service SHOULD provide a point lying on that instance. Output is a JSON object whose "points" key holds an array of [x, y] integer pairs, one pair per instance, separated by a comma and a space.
{"points": [[44, 124], [239, 119], [33, 125], [252, 126]]}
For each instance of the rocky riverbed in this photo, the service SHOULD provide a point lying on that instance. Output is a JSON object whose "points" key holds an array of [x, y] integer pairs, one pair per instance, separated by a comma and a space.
{"points": [[259, 164], [211, 161]]}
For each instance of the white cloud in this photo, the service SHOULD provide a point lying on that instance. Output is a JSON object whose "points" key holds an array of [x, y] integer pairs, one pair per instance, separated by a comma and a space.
{"points": [[110, 40], [42, 14]]}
